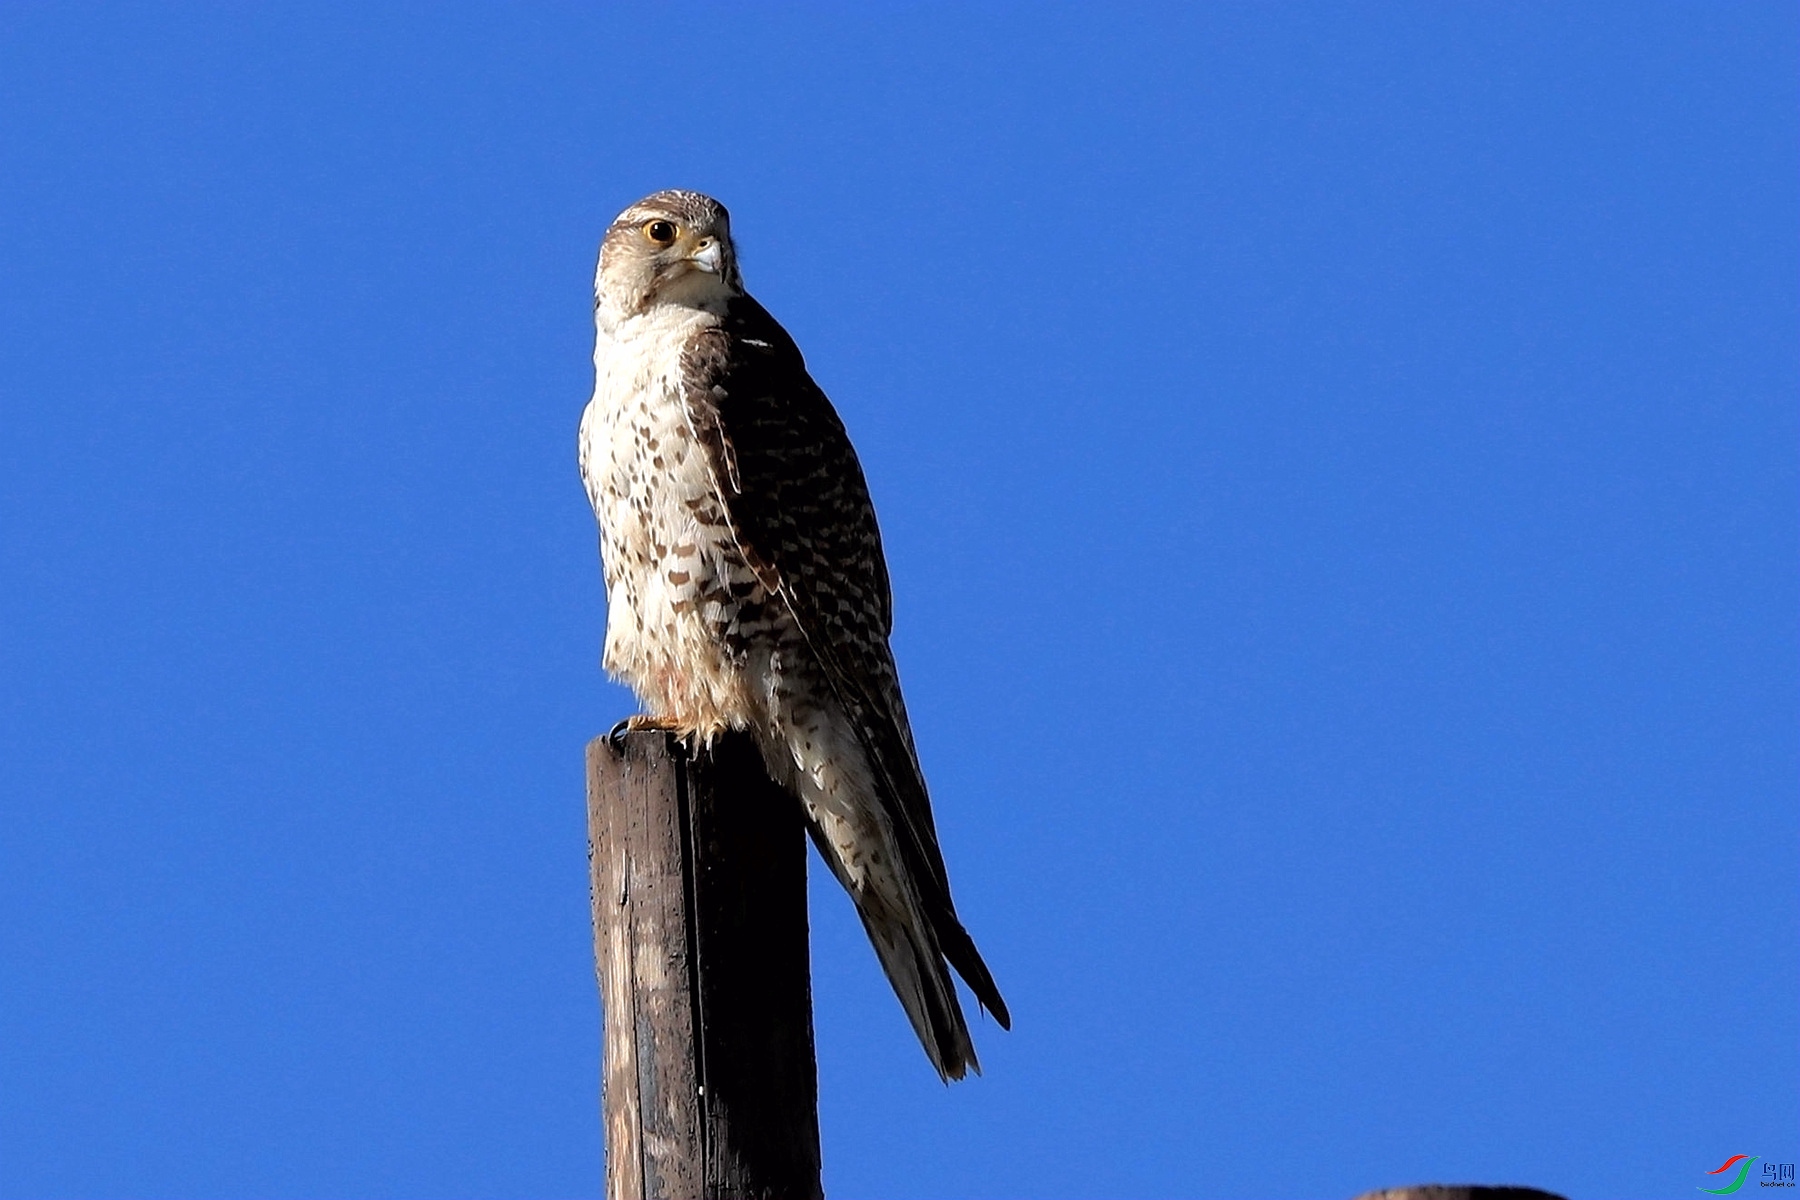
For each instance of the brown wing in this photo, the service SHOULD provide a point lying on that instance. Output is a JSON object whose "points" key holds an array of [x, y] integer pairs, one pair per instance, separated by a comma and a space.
{"points": [[797, 501]]}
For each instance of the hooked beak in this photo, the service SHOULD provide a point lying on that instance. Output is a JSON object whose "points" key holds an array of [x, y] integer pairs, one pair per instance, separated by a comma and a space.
{"points": [[708, 255]]}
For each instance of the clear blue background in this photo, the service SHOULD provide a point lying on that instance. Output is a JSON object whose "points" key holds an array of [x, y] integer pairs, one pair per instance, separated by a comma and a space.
{"points": [[1338, 465]]}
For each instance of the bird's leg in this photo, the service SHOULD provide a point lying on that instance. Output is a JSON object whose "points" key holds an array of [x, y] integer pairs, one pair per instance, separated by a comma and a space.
{"points": [[644, 723], [641, 723]]}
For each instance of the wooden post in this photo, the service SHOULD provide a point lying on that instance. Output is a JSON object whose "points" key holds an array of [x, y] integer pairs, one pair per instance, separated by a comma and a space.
{"points": [[700, 942], [1460, 1191]]}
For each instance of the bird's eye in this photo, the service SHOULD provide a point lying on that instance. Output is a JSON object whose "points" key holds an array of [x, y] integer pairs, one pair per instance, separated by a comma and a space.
{"points": [[661, 232]]}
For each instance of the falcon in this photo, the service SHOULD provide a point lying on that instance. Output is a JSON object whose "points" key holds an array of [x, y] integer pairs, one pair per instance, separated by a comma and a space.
{"points": [[746, 588]]}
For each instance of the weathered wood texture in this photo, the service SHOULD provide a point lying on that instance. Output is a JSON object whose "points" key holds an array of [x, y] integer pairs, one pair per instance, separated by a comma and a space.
{"points": [[700, 943]]}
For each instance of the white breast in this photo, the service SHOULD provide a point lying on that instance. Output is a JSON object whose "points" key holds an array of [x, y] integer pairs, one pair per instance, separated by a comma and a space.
{"points": [[675, 580], [637, 397]]}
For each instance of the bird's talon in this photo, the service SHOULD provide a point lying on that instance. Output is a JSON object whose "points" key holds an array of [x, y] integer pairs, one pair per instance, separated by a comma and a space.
{"points": [[642, 723]]}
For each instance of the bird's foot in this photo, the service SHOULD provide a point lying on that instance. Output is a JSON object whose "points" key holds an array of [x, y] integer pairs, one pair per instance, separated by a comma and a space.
{"points": [[640, 723]]}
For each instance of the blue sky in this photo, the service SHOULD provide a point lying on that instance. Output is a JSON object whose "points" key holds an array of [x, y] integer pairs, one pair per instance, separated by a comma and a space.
{"points": [[1337, 464]]}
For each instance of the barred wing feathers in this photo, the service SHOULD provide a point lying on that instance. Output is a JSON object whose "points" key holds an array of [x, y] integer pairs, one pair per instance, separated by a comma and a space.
{"points": [[798, 504]]}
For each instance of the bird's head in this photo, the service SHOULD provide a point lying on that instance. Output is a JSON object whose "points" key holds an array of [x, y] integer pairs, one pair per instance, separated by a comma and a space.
{"points": [[672, 247]]}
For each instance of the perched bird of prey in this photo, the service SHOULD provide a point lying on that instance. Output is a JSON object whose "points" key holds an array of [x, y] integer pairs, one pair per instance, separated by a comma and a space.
{"points": [[746, 587]]}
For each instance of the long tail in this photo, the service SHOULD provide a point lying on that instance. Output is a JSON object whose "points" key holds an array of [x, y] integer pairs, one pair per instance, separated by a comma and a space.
{"points": [[916, 969], [913, 938], [959, 948], [895, 881]]}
